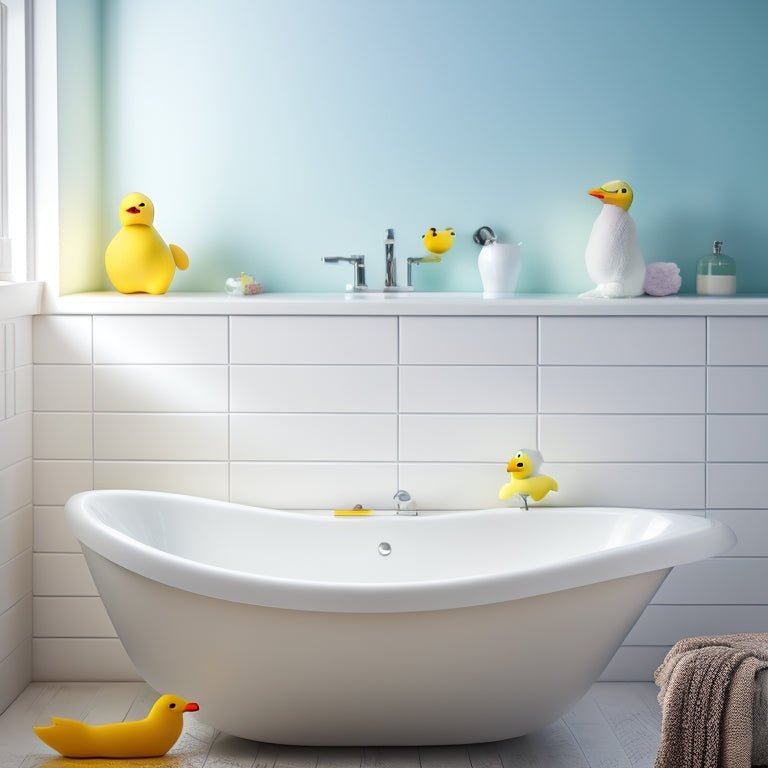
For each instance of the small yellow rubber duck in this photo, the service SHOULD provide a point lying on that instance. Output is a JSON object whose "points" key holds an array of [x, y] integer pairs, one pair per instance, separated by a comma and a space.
{"points": [[524, 479], [151, 737], [438, 242], [138, 260]]}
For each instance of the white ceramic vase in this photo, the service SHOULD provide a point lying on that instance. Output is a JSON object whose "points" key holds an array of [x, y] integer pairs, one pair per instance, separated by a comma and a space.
{"points": [[499, 265]]}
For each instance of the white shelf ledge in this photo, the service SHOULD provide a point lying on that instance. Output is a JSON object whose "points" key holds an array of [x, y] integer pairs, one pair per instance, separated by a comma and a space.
{"points": [[437, 303]]}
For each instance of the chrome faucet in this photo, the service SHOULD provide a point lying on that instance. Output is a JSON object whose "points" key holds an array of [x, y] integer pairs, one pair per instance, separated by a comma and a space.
{"points": [[359, 264], [403, 497], [390, 277]]}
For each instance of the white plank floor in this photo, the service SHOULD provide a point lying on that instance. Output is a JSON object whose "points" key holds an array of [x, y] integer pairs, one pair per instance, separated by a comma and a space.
{"points": [[616, 725]]}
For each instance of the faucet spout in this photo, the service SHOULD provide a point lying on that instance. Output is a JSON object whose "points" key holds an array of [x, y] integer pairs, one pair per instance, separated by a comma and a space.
{"points": [[390, 277], [358, 262]]}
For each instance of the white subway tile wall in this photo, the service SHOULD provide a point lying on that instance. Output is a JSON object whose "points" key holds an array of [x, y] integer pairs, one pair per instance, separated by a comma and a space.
{"points": [[322, 412], [16, 517]]}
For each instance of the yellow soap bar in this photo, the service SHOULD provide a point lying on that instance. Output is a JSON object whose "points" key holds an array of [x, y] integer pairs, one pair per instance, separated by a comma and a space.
{"points": [[351, 512]]}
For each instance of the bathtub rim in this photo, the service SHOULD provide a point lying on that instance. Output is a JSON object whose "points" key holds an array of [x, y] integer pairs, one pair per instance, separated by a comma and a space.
{"points": [[697, 538]]}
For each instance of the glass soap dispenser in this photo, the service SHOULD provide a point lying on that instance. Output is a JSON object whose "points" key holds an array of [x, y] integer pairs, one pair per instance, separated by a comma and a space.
{"points": [[716, 273]]}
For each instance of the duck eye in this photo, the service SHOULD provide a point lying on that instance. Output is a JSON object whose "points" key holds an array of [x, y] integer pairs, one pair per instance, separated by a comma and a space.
{"points": [[141, 205], [624, 191], [172, 706]]}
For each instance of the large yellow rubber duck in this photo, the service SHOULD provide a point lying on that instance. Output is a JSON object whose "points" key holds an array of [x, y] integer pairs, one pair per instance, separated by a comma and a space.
{"points": [[151, 737], [524, 479], [138, 260], [438, 241]]}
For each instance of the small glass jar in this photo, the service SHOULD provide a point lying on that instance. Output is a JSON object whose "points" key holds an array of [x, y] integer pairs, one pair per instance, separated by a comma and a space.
{"points": [[716, 273]]}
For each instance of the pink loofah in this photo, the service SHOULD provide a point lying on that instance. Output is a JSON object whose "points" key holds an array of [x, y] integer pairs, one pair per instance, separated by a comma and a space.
{"points": [[662, 278]]}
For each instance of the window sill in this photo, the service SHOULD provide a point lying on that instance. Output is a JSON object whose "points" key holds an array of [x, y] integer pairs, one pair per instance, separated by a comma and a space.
{"points": [[20, 299]]}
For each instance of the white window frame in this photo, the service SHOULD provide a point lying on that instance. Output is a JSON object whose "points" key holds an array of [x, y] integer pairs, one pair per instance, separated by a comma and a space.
{"points": [[16, 98]]}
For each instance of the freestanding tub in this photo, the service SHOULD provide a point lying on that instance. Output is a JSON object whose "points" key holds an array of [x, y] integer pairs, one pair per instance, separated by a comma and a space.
{"points": [[305, 628]]}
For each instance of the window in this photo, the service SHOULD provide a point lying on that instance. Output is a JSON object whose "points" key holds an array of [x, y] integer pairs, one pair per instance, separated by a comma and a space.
{"points": [[15, 162]]}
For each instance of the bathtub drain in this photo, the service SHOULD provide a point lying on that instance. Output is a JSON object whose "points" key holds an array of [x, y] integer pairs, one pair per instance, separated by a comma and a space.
{"points": [[385, 548]]}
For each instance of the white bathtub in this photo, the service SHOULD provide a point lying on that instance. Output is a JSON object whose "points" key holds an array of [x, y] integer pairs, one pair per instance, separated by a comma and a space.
{"points": [[294, 628]]}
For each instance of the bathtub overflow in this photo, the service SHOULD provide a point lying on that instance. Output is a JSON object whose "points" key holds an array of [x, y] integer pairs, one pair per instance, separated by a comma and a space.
{"points": [[385, 548]]}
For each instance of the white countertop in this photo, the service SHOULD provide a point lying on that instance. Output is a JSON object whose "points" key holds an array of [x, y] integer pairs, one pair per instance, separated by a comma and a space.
{"points": [[437, 303]]}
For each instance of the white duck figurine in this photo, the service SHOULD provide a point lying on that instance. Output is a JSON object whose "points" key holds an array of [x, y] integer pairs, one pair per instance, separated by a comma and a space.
{"points": [[613, 256]]}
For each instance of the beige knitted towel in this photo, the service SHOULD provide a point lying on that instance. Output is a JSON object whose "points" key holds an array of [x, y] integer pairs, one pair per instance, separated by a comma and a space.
{"points": [[706, 695]]}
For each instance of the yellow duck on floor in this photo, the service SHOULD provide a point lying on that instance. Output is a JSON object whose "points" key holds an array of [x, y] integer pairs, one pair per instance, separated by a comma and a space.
{"points": [[138, 260], [524, 479], [151, 737]]}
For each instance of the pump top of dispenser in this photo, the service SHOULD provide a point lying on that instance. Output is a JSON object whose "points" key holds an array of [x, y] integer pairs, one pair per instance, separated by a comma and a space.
{"points": [[716, 273]]}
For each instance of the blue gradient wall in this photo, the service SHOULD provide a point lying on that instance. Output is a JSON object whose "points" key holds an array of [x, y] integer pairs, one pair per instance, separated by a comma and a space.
{"points": [[270, 133]]}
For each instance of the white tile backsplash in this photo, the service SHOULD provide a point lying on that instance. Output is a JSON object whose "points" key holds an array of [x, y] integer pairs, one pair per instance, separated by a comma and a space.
{"points": [[468, 340], [63, 435], [749, 525], [159, 340], [23, 392], [327, 485], [15, 439], [52, 533], [621, 389], [313, 388], [15, 533], [161, 388], [622, 341], [717, 581], [87, 660], [63, 388], [467, 389], [60, 574], [15, 580], [307, 340], [64, 339], [736, 485], [454, 486], [328, 412], [313, 437], [738, 341], [15, 625], [675, 486], [737, 438], [464, 437], [16, 513], [208, 479], [669, 623], [16, 486], [160, 436], [71, 617], [56, 481], [737, 389], [609, 438]]}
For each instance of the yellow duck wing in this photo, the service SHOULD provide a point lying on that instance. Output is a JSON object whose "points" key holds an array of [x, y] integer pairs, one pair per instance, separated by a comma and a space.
{"points": [[179, 256], [507, 490], [540, 486]]}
